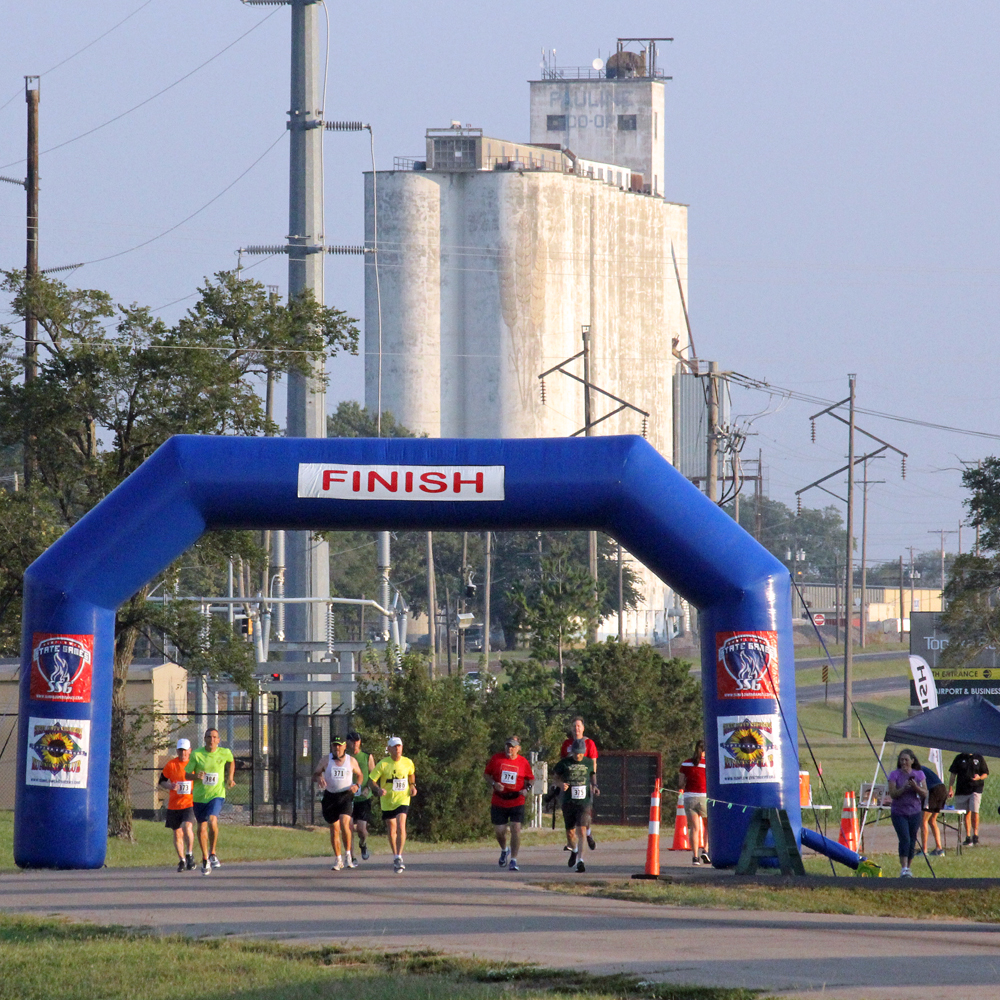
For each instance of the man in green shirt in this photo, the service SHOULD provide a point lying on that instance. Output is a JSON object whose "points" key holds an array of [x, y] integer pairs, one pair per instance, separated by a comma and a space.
{"points": [[579, 787], [214, 771], [363, 800]]}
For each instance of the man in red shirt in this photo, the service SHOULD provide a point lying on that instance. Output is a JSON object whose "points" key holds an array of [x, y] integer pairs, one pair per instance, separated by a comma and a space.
{"points": [[693, 784], [576, 733], [180, 806], [508, 774]]}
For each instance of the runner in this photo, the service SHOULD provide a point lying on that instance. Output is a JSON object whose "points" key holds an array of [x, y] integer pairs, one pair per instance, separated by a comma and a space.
{"points": [[692, 783], [393, 777], [575, 732], [363, 800], [180, 812], [508, 773], [579, 784], [214, 771], [340, 777]]}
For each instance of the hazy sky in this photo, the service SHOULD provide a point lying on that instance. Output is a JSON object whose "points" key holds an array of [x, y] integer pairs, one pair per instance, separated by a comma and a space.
{"points": [[840, 162]]}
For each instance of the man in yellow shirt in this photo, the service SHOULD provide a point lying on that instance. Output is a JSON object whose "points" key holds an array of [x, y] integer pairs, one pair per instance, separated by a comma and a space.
{"points": [[393, 779]]}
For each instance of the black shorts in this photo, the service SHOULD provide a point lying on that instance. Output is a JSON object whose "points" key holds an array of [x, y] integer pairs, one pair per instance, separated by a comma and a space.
{"points": [[337, 804], [393, 813], [363, 810], [502, 815], [936, 798], [576, 814], [177, 817]]}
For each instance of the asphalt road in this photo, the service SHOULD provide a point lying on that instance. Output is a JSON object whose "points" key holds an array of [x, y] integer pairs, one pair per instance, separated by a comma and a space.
{"points": [[868, 686], [858, 657], [459, 901]]}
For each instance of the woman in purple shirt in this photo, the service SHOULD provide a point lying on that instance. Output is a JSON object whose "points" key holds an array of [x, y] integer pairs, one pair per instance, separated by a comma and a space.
{"points": [[908, 791]]}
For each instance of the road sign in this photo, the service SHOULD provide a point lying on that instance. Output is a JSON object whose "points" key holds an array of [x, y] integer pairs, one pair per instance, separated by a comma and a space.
{"points": [[819, 619]]}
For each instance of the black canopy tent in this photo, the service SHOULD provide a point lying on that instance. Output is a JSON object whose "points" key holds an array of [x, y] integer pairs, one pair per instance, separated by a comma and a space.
{"points": [[963, 725]]}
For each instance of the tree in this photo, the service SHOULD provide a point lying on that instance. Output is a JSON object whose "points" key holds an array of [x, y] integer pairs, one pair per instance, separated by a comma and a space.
{"points": [[107, 369], [557, 610], [634, 699]]}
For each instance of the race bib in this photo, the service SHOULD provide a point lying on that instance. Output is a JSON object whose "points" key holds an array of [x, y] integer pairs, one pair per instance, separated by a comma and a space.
{"points": [[339, 772], [508, 777], [399, 784], [183, 787], [211, 778], [578, 791]]}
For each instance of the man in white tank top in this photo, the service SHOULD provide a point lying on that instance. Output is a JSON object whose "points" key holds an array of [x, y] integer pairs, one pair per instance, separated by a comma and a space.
{"points": [[340, 777]]}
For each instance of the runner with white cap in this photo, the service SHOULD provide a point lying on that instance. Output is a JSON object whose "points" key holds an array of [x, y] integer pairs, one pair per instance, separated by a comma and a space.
{"points": [[180, 805], [393, 779]]}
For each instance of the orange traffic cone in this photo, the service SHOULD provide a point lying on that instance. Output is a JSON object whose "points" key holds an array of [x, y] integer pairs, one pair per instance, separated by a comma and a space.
{"points": [[653, 840], [849, 822], [681, 842]]}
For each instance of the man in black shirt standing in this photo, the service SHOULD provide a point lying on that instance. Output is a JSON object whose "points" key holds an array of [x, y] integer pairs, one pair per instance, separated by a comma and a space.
{"points": [[968, 771]]}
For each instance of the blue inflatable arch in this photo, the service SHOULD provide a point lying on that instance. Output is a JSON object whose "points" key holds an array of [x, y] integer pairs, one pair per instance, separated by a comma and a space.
{"points": [[619, 485]]}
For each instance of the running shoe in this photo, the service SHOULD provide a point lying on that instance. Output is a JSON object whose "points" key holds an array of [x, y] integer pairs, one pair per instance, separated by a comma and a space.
{"points": [[906, 873], [696, 860], [580, 866], [572, 858], [938, 853], [967, 842], [338, 865], [351, 863], [214, 861], [181, 866], [975, 840], [504, 856], [512, 867], [364, 850], [398, 866], [591, 843], [189, 862], [566, 847], [206, 868], [705, 859]]}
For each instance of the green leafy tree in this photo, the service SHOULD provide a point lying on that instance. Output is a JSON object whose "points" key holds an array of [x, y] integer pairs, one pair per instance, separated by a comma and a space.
{"points": [[635, 699], [113, 383], [558, 610]]}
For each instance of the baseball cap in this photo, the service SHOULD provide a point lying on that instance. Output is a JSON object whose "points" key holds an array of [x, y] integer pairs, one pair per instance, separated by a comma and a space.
{"points": [[513, 741], [394, 741], [337, 740], [183, 744], [354, 736], [579, 746]]}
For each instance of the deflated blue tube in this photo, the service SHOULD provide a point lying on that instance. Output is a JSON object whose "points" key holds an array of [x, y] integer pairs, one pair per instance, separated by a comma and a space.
{"points": [[823, 845]]}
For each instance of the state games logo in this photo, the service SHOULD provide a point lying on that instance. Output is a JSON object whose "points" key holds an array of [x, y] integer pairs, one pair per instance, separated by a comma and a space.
{"points": [[61, 667], [746, 664]]}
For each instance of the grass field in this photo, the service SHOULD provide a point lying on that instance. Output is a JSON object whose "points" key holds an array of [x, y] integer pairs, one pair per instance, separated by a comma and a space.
{"points": [[981, 905], [41, 959], [154, 845]]}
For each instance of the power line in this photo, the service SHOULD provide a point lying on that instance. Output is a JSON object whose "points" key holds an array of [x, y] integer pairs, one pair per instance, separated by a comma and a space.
{"points": [[17, 93], [159, 93]]}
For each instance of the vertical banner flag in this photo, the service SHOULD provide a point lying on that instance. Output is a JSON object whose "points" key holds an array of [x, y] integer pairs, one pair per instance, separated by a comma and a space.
{"points": [[923, 681]]}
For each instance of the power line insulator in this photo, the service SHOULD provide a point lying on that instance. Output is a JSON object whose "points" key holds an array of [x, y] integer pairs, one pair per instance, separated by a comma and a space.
{"points": [[813, 430], [798, 506], [903, 466], [542, 383], [645, 426]]}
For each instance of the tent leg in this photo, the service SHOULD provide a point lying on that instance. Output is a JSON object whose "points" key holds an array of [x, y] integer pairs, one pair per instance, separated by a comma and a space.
{"points": [[864, 817]]}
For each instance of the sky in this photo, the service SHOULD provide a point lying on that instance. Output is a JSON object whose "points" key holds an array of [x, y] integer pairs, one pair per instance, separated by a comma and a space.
{"points": [[839, 161]]}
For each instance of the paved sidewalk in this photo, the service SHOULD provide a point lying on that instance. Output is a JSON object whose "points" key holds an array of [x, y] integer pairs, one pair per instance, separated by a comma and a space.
{"points": [[460, 901]]}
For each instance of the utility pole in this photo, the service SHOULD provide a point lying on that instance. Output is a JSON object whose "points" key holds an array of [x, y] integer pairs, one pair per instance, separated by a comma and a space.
{"points": [[308, 560], [911, 585], [31, 96], [588, 425], [460, 602], [712, 457], [383, 559], [864, 554], [621, 597], [902, 613], [758, 494], [849, 585], [487, 583], [432, 603], [942, 533]]}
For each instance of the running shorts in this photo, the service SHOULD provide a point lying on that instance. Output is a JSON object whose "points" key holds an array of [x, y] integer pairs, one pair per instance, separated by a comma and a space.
{"points": [[393, 813], [936, 798], [337, 804], [502, 815], [362, 810], [213, 807], [575, 814], [176, 818], [695, 804]]}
